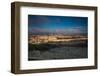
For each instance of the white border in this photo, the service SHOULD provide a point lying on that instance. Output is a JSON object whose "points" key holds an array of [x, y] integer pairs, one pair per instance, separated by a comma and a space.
{"points": [[25, 64]]}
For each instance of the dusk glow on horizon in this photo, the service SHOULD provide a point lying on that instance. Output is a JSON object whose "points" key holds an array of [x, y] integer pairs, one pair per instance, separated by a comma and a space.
{"points": [[67, 25]]}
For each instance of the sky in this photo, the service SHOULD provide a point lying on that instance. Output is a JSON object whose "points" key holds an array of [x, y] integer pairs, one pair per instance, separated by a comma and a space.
{"points": [[66, 25]]}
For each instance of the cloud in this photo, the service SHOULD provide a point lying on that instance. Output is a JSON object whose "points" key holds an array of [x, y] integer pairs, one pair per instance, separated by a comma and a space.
{"points": [[66, 31], [38, 20]]}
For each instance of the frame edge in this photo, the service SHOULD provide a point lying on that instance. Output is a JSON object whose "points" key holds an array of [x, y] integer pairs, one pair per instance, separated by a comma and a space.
{"points": [[12, 37]]}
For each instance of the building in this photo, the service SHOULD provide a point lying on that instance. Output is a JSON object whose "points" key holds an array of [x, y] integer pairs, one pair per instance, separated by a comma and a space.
{"points": [[53, 38]]}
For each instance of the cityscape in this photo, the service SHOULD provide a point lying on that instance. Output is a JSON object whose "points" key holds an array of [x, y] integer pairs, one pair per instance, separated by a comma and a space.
{"points": [[57, 37], [37, 39]]}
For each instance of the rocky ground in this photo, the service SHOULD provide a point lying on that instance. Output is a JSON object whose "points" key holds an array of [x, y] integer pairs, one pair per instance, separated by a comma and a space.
{"points": [[72, 50]]}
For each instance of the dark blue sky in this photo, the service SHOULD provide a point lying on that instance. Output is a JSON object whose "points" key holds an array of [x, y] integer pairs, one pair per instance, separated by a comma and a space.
{"points": [[67, 25]]}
